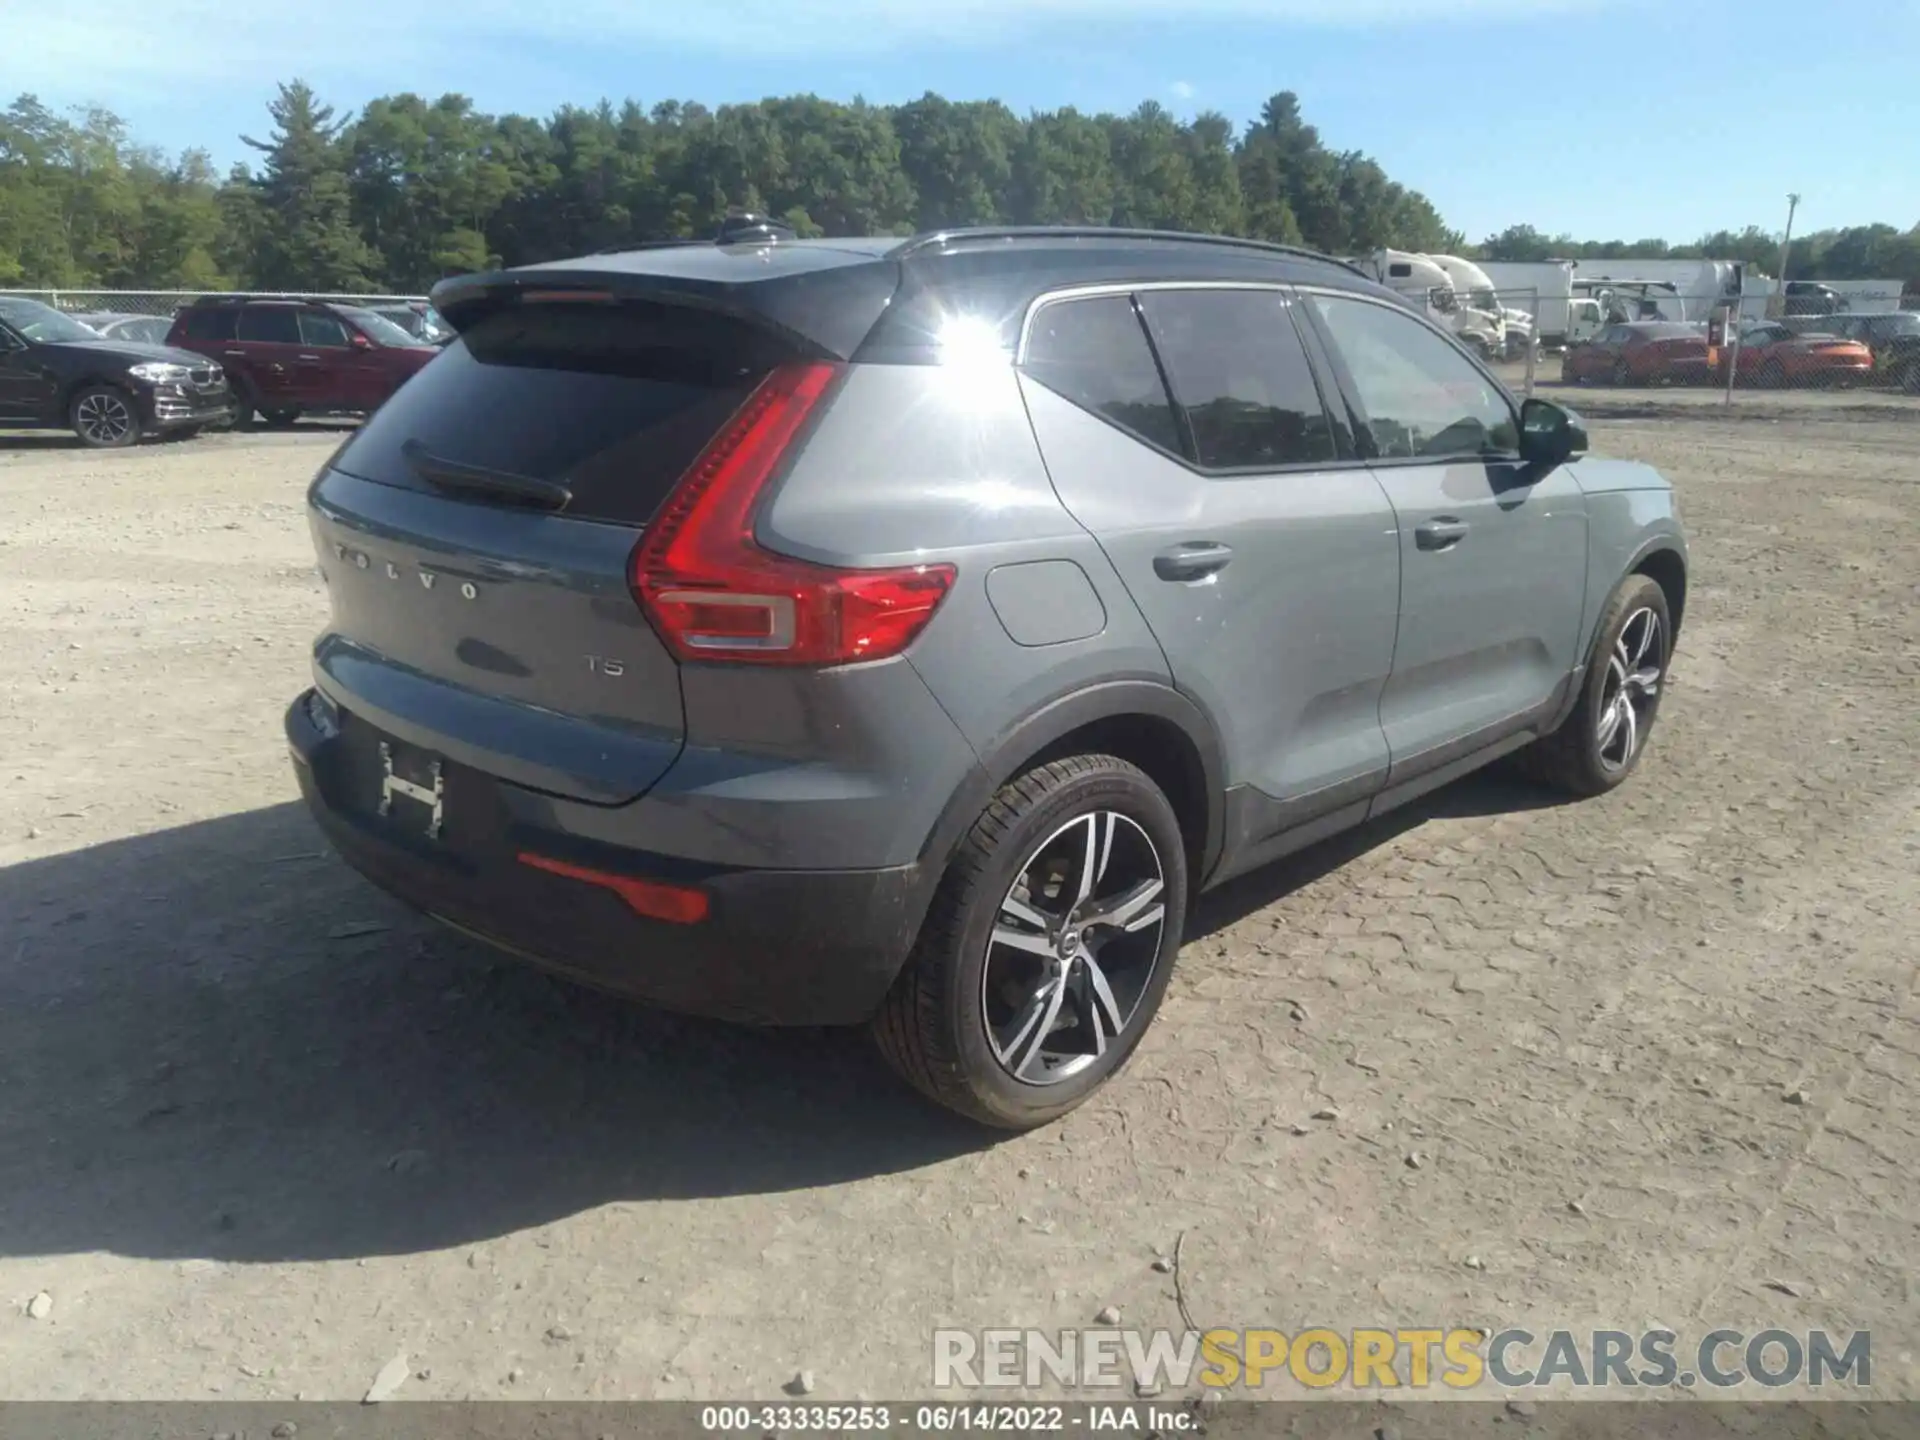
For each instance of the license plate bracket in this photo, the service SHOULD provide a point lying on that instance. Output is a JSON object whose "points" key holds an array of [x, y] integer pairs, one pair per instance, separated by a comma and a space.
{"points": [[431, 792]]}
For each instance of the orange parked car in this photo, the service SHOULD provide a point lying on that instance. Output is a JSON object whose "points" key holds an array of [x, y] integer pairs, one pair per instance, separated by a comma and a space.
{"points": [[1640, 352], [1774, 356]]}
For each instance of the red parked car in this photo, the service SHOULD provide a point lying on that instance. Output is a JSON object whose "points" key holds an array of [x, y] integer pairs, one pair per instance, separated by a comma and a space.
{"points": [[288, 358], [1775, 355], [1640, 352]]}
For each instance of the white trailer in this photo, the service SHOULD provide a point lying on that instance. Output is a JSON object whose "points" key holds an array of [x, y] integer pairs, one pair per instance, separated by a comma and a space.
{"points": [[1699, 286], [1548, 286]]}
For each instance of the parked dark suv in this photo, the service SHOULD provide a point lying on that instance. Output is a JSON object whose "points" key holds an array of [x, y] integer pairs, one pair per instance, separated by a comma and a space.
{"points": [[57, 373], [288, 358], [902, 633]]}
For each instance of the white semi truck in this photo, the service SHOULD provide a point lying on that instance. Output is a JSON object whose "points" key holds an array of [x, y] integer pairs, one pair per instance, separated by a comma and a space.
{"points": [[1447, 288]]}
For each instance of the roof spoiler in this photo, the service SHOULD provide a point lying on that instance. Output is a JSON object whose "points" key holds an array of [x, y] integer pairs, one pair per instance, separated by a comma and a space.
{"points": [[820, 314]]}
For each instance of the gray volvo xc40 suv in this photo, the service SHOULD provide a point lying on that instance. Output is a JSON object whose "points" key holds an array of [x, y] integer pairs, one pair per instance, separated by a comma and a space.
{"points": [[902, 633]]}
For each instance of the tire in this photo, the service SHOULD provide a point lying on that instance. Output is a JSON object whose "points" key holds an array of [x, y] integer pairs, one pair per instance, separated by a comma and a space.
{"points": [[934, 1026], [104, 417], [1772, 375], [280, 419], [1910, 378], [185, 432], [1578, 757], [1621, 376], [243, 411]]}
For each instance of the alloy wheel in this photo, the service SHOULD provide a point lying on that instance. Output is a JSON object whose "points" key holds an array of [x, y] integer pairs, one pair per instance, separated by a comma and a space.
{"points": [[1074, 948], [103, 418], [1631, 689]]}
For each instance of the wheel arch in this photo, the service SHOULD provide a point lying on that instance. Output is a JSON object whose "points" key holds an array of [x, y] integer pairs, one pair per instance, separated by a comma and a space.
{"points": [[70, 390], [1663, 564], [1150, 725]]}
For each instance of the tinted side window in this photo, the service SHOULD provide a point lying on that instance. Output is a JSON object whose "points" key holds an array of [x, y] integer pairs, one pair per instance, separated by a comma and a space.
{"points": [[1423, 398], [275, 324], [210, 324], [318, 329], [1240, 373], [1094, 353]]}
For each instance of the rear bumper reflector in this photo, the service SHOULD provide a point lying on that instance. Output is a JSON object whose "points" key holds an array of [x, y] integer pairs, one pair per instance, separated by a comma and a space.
{"points": [[677, 904]]}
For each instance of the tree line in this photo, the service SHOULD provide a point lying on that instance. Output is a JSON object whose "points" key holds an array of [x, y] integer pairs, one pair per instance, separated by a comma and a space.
{"points": [[411, 189]]}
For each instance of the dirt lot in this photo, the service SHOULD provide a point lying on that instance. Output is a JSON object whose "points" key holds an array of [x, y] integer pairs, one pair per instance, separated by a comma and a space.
{"points": [[262, 1130]]}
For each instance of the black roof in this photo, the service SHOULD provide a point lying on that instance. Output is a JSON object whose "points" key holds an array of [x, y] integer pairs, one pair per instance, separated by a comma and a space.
{"points": [[886, 297]]}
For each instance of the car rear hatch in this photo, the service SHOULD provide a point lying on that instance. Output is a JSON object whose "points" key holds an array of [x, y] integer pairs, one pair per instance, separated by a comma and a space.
{"points": [[476, 533]]}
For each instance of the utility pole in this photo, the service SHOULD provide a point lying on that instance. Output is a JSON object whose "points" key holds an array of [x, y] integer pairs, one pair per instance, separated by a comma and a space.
{"points": [[1786, 249]]}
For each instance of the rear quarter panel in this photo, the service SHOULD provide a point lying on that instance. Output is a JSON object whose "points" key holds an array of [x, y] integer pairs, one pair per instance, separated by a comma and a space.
{"points": [[917, 463]]}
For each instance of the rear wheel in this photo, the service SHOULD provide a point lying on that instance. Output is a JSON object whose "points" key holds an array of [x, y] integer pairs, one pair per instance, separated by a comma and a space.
{"points": [[280, 418], [1621, 375], [1772, 375], [104, 417], [1601, 742], [1047, 949]]}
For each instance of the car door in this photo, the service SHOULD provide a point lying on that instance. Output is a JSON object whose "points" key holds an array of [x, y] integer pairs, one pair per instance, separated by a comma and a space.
{"points": [[1597, 357], [29, 389], [1493, 551], [265, 346], [1257, 546], [326, 367]]}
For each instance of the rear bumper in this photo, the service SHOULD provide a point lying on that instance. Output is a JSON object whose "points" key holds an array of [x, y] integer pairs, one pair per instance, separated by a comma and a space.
{"points": [[778, 947]]}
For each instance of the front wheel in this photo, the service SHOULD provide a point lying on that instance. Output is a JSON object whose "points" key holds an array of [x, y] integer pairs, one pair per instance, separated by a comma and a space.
{"points": [[280, 419], [104, 417], [1601, 742], [1621, 376], [1047, 949]]}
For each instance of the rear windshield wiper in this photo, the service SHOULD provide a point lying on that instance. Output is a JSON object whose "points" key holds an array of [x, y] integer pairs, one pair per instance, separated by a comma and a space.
{"points": [[499, 484]]}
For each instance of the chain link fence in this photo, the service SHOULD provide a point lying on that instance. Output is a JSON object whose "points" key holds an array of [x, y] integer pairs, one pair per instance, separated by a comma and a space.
{"points": [[1658, 337], [163, 304], [1860, 335], [1840, 335]]}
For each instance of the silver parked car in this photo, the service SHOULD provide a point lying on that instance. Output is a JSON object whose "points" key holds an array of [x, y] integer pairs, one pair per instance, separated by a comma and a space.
{"points": [[902, 633], [141, 329]]}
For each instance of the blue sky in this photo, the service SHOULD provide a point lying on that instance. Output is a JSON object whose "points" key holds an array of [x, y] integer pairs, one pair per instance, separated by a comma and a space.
{"points": [[1605, 118]]}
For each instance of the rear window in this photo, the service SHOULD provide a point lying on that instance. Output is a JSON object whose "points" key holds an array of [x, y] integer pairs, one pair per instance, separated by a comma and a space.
{"points": [[1238, 369], [615, 401], [1094, 353]]}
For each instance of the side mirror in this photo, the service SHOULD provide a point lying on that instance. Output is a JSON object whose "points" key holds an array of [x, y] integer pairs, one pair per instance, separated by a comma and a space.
{"points": [[1550, 434]]}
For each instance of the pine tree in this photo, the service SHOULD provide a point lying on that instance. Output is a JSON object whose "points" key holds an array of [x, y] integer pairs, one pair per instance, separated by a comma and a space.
{"points": [[308, 240]]}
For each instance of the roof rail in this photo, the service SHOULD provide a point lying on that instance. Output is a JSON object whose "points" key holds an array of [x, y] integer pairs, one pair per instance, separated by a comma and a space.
{"points": [[622, 249], [927, 239], [741, 227]]}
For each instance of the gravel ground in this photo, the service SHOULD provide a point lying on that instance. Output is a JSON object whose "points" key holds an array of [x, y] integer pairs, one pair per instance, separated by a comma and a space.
{"points": [[264, 1131]]}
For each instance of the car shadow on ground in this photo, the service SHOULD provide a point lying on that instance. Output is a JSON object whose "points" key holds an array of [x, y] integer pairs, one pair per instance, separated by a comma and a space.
{"points": [[218, 1042], [43, 441]]}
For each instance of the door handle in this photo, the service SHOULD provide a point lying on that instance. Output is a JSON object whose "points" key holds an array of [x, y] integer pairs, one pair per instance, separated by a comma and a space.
{"points": [[1193, 561], [314, 358], [236, 354], [1440, 534]]}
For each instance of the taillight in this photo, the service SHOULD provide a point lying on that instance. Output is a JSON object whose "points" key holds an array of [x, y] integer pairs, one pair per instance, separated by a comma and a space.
{"points": [[713, 594]]}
